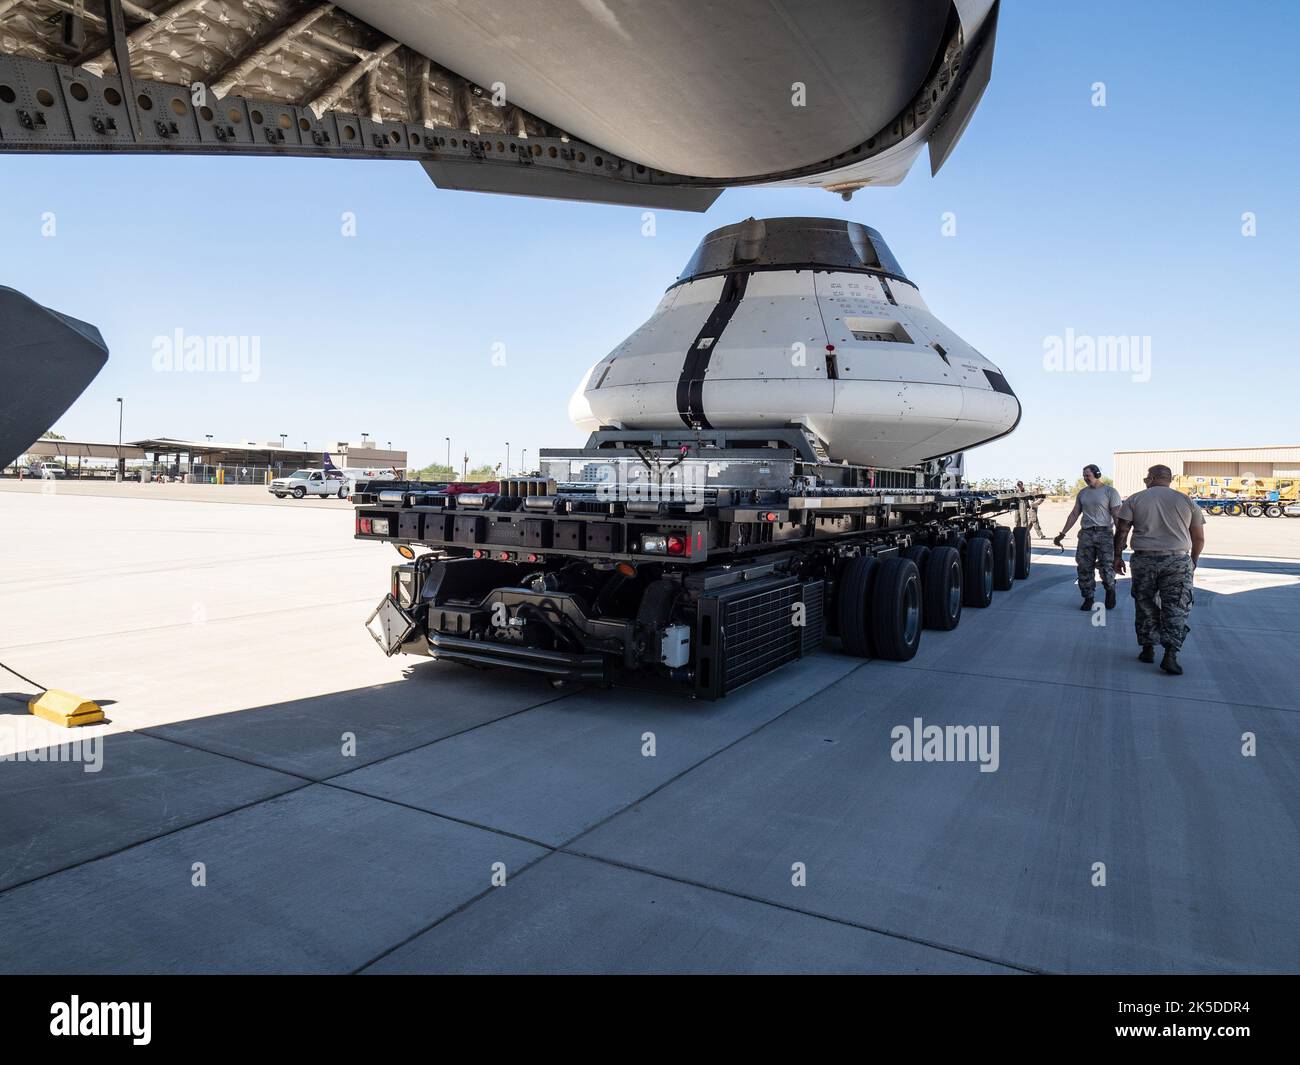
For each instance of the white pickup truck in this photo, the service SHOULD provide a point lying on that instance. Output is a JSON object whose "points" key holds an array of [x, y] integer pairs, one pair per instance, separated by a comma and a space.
{"points": [[310, 483]]}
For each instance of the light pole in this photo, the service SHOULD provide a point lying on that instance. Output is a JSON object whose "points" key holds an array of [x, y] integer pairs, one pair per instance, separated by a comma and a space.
{"points": [[452, 472], [121, 462], [283, 437], [523, 462], [507, 458]]}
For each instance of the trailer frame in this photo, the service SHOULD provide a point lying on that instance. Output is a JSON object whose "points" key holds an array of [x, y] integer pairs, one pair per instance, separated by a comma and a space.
{"points": [[734, 545]]}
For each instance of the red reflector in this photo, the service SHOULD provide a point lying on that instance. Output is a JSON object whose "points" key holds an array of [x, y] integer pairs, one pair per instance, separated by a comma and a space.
{"points": [[477, 553], [363, 525], [534, 558], [677, 545], [771, 515], [504, 556]]}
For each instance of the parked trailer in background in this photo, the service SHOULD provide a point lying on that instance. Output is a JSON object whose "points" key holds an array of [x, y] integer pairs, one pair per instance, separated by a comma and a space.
{"points": [[1255, 497]]}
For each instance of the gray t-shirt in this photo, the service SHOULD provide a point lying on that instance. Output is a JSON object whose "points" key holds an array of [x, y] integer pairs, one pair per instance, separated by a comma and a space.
{"points": [[1162, 519], [1095, 506]]}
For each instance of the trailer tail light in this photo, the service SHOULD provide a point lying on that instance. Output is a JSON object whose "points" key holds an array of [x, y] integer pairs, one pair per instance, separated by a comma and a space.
{"points": [[374, 526], [676, 544], [505, 556], [770, 516], [478, 554], [534, 558]]}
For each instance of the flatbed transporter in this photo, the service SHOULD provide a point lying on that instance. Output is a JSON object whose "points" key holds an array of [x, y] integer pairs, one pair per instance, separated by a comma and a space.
{"points": [[693, 561]]}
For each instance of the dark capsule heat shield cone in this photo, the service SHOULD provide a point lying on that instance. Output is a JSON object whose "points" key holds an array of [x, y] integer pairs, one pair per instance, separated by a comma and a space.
{"points": [[46, 361]]}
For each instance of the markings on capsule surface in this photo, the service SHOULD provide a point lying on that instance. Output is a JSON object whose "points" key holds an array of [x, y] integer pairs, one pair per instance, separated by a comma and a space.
{"points": [[690, 385]]}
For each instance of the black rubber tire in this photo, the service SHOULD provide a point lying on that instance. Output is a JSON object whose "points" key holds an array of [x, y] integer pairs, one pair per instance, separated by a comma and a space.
{"points": [[977, 572], [920, 554], [943, 576], [853, 605], [1004, 559], [1232, 509], [1023, 548], [896, 609], [343, 493], [1272, 512], [298, 493], [1254, 510]]}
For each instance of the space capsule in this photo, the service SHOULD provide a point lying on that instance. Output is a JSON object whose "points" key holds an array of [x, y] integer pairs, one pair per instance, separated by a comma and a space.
{"points": [[802, 321]]}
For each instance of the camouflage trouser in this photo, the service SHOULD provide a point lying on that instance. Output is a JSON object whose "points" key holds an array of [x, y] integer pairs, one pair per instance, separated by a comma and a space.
{"points": [[1162, 598], [1096, 550], [1034, 527]]}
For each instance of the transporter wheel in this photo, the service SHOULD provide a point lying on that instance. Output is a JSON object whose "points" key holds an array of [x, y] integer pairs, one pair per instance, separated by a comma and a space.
{"points": [[1021, 538], [343, 492], [920, 554], [1254, 511], [1216, 508], [942, 589], [857, 582], [1272, 512], [1004, 559], [977, 572], [896, 609], [1232, 509], [299, 492], [278, 495]]}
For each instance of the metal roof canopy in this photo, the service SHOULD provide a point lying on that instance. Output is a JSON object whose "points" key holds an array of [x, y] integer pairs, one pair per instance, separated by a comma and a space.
{"points": [[367, 456], [85, 449]]}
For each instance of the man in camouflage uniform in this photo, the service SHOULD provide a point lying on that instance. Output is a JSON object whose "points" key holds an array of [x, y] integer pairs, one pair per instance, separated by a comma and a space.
{"points": [[1031, 513], [1098, 504], [1034, 528], [1168, 537]]}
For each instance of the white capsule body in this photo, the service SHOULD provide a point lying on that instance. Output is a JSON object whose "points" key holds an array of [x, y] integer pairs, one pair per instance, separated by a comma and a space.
{"points": [[854, 356]]}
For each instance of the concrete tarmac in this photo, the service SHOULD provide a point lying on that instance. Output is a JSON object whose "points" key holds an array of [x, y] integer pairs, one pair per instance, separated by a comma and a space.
{"points": [[271, 794]]}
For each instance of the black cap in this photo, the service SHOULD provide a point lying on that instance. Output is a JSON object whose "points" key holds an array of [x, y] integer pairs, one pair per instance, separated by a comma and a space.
{"points": [[792, 244]]}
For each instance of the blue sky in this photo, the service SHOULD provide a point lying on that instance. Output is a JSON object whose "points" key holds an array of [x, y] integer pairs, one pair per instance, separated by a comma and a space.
{"points": [[1122, 220]]}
